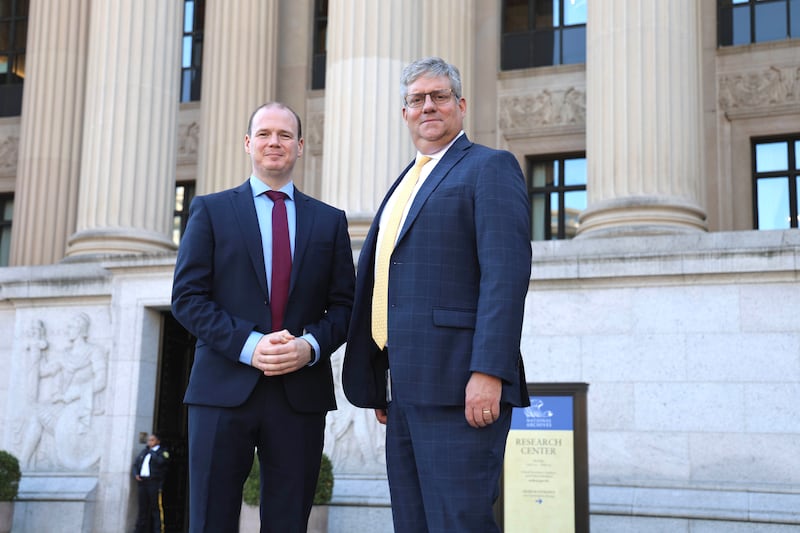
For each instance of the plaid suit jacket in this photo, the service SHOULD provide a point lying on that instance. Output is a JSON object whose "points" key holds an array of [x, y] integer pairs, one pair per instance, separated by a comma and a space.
{"points": [[458, 279]]}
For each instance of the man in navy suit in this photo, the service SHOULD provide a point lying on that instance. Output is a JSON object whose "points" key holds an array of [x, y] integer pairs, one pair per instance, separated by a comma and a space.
{"points": [[435, 349], [266, 325]]}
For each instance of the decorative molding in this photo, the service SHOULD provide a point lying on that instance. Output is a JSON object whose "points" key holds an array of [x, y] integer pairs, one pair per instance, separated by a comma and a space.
{"points": [[315, 126], [9, 153], [543, 110], [188, 140], [758, 89]]}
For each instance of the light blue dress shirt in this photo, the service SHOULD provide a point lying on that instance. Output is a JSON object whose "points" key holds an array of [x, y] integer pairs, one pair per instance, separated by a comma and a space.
{"points": [[264, 214]]}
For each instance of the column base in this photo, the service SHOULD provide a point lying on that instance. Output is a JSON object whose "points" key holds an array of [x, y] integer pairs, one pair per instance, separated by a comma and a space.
{"points": [[641, 215], [117, 241]]}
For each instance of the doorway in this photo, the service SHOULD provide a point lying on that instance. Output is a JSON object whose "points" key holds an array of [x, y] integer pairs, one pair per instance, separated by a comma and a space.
{"points": [[175, 364]]}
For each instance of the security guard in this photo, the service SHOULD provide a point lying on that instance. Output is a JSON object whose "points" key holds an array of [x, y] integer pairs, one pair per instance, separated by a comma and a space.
{"points": [[149, 470]]}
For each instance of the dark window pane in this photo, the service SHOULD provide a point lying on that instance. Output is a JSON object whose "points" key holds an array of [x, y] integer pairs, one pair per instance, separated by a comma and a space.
{"points": [[318, 71], [319, 47], [515, 16], [20, 35], [725, 27], [8, 209], [545, 48], [516, 51], [741, 25], [770, 21], [543, 14], [22, 8], [10, 98], [5, 246], [5, 35], [574, 45], [5, 8], [771, 157], [773, 203], [196, 80]]}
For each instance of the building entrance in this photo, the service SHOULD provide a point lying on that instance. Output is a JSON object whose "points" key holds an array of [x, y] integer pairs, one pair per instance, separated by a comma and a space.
{"points": [[175, 363]]}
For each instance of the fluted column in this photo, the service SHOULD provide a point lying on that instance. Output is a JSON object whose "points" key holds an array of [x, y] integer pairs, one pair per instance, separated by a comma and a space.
{"points": [[366, 143], [448, 32], [643, 115], [240, 54], [46, 195], [127, 174]]}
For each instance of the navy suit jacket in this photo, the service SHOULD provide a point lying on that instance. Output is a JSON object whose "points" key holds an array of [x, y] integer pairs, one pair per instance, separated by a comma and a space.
{"points": [[220, 295], [458, 279]]}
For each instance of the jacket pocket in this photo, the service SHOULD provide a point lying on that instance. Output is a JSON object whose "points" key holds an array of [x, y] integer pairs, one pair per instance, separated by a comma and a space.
{"points": [[454, 318]]}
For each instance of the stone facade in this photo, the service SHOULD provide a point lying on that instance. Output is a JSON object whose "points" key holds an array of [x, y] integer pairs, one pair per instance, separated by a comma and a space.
{"points": [[680, 317]]}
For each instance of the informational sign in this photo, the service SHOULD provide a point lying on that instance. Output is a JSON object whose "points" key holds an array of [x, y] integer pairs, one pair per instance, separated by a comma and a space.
{"points": [[539, 468]]}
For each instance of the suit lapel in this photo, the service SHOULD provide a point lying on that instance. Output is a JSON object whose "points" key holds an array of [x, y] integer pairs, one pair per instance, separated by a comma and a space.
{"points": [[451, 157], [244, 210]]}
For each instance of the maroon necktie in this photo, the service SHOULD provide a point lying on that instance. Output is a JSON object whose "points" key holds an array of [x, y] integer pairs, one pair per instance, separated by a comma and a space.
{"points": [[281, 259]]}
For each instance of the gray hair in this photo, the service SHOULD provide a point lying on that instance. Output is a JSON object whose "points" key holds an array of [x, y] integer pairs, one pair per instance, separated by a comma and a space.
{"points": [[430, 67]]}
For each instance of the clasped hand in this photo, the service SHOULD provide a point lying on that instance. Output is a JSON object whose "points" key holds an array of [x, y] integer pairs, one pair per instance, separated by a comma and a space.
{"points": [[280, 352]]}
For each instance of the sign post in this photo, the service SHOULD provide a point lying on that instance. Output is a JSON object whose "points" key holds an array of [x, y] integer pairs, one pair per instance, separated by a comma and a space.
{"points": [[545, 483]]}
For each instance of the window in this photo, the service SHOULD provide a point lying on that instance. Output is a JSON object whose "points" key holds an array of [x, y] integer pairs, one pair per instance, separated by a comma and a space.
{"points": [[557, 193], [755, 21], [184, 193], [320, 44], [537, 33], [7, 210], [13, 34], [192, 56], [776, 179]]}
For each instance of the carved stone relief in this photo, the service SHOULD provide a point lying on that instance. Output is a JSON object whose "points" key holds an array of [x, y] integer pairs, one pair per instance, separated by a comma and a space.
{"points": [[188, 140], [316, 127], [354, 440], [545, 108], [65, 379], [9, 152], [757, 89]]}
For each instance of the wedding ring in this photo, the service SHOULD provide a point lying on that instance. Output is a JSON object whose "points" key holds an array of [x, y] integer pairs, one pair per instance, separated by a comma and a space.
{"points": [[487, 411]]}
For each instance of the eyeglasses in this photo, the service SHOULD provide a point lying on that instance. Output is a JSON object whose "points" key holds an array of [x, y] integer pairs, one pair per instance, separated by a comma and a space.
{"points": [[440, 97]]}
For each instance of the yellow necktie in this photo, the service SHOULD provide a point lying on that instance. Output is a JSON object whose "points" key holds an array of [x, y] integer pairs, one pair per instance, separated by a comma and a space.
{"points": [[380, 290]]}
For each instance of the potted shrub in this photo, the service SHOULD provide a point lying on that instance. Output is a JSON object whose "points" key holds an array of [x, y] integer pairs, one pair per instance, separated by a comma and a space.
{"points": [[317, 523], [9, 484]]}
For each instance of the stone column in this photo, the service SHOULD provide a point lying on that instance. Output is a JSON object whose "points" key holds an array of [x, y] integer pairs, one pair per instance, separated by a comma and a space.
{"points": [[127, 183], [239, 65], [448, 32], [643, 134], [46, 195], [366, 142]]}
